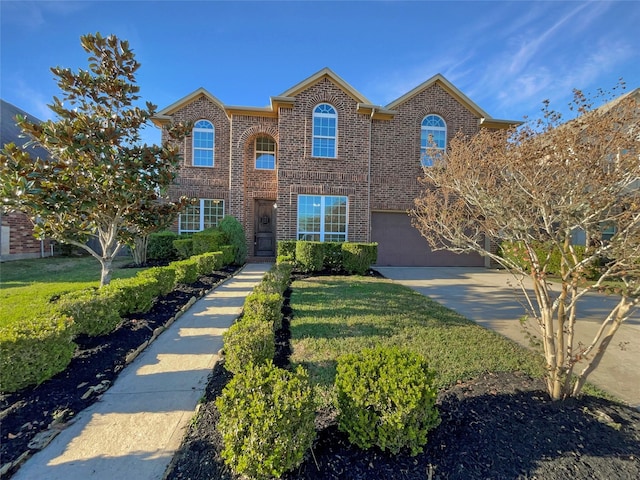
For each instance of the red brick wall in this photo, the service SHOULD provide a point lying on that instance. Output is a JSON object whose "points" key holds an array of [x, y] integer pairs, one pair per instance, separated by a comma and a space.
{"points": [[21, 239], [396, 146], [392, 155], [204, 182], [300, 173]]}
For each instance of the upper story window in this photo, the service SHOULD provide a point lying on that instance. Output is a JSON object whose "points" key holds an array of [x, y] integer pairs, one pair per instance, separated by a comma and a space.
{"points": [[325, 127], [433, 134], [265, 153], [203, 143]]}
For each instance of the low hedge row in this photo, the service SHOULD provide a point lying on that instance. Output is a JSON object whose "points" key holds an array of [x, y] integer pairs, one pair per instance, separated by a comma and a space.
{"points": [[33, 352], [517, 253], [267, 413], [385, 396], [351, 257]]}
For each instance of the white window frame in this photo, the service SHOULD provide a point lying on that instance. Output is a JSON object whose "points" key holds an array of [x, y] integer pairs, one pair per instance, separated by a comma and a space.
{"points": [[333, 115], [427, 133], [203, 222], [322, 233], [259, 153], [202, 130]]}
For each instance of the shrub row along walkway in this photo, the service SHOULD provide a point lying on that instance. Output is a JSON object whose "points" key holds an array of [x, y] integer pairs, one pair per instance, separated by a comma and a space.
{"points": [[135, 429], [492, 299]]}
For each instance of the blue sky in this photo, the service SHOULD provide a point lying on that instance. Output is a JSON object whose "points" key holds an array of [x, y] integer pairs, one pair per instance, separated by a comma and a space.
{"points": [[506, 56]]}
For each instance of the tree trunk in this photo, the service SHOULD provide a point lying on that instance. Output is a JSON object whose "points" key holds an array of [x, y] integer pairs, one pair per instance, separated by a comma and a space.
{"points": [[140, 250], [105, 275]]}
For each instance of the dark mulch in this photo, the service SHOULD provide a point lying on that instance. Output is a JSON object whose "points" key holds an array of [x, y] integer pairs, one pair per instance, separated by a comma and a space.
{"points": [[497, 426], [97, 359]]}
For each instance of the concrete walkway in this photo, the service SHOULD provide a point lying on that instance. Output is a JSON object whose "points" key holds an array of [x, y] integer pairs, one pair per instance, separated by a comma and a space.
{"points": [[135, 429], [492, 299]]}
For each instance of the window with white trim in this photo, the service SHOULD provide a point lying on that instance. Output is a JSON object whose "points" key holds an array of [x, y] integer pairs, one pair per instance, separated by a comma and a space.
{"points": [[322, 218], [433, 134], [203, 138], [205, 213], [265, 153], [325, 127]]}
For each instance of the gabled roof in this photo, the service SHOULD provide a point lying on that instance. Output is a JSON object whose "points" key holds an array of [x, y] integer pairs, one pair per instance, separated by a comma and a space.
{"points": [[10, 132], [164, 116], [321, 75], [287, 100], [485, 119]]}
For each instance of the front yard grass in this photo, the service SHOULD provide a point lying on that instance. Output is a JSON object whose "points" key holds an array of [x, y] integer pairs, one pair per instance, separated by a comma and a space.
{"points": [[337, 315], [27, 286]]}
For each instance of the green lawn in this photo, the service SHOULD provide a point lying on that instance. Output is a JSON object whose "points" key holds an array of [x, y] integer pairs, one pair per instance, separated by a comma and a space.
{"points": [[337, 315], [27, 286]]}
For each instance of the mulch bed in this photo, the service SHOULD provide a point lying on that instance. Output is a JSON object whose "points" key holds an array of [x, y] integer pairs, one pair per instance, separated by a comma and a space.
{"points": [[496, 426], [30, 411]]}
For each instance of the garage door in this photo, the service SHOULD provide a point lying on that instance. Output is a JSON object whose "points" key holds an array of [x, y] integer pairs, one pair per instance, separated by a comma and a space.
{"points": [[400, 244]]}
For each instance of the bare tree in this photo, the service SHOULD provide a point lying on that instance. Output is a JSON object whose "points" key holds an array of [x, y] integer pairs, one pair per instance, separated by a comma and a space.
{"points": [[533, 190]]}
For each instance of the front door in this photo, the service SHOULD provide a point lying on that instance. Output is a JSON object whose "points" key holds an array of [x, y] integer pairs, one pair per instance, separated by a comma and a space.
{"points": [[265, 228]]}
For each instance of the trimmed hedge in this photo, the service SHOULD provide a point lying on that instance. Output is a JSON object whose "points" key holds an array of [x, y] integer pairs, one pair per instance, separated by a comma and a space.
{"points": [[184, 247], [186, 270], [264, 306], [209, 240], [94, 312], [235, 233], [208, 262], [160, 246], [333, 256], [267, 417], [286, 248], [358, 257], [34, 351], [228, 254], [386, 398], [309, 256], [249, 340], [135, 294], [164, 276]]}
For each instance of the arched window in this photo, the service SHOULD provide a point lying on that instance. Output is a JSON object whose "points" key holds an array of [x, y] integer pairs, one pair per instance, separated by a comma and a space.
{"points": [[203, 136], [265, 153], [433, 134], [325, 127]]}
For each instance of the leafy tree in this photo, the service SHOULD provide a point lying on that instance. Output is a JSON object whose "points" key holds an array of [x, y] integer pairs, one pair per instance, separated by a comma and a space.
{"points": [[99, 182], [535, 188]]}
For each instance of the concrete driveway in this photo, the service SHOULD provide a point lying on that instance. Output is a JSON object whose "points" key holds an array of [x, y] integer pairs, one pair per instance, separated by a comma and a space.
{"points": [[492, 299]]}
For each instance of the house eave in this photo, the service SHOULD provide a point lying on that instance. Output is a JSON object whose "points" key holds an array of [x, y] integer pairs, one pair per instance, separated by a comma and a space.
{"points": [[498, 124]]}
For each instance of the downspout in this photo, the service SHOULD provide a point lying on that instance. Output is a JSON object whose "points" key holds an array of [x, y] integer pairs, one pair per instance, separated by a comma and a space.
{"points": [[373, 111]]}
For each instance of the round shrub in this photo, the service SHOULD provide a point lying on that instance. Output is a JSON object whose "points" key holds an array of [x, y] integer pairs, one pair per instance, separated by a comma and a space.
{"points": [[386, 398], [266, 420], [34, 351], [251, 340]]}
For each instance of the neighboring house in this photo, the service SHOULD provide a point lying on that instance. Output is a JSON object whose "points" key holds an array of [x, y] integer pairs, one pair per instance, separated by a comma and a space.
{"points": [[16, 236], [321, 162]]}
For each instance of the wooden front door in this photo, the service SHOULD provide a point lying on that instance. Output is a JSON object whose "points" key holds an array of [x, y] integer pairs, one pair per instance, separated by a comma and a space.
{"points": [[265, 228]]}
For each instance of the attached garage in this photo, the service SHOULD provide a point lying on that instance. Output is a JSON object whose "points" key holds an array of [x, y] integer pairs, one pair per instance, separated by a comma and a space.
{"points": [[400, 244]]}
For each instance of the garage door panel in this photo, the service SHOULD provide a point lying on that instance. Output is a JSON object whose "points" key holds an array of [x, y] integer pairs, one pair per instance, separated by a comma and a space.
{"points": [[400, 244]]}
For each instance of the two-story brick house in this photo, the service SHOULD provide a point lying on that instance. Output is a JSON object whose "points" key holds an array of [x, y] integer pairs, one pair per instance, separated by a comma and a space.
{"points": [[321, 162]]}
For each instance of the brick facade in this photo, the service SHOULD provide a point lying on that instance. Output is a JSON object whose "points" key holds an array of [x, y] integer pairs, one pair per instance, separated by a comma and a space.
{"points": [[17, 240], [378, 149]]}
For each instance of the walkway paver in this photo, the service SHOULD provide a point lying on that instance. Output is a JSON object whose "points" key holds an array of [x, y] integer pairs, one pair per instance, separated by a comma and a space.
{"points": [[491, 298], [135, 429]]}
